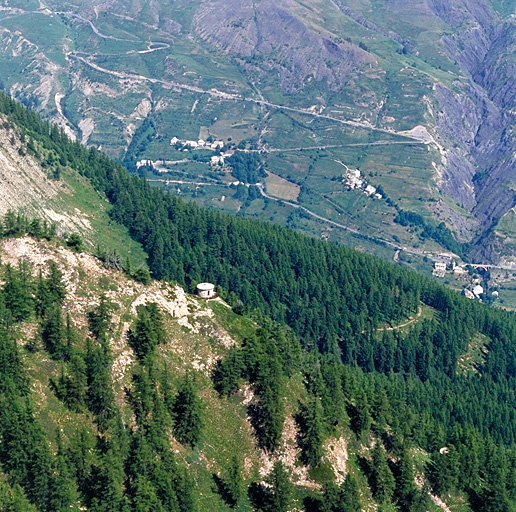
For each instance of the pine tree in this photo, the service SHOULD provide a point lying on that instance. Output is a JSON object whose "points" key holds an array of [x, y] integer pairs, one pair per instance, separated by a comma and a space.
{"points": [[100, 396], [381, 478], [231, 485], [76, 385], [51, 291], [106, 484], [380, 408], [148, 331], [52, 332], [81, 456], [12, 371], [227, 372], [271, 417], [65, 496], [75, 242], [277, 496], [444, 471], [359, 413], [13, 499], [335, 403], [349, 496], [40, 296], [145, 497], [70, 338], [187, 414], [141, 337], [18, 291], [310, 422], [99, 319], [281, 490], [406, 490], [493, 494]]}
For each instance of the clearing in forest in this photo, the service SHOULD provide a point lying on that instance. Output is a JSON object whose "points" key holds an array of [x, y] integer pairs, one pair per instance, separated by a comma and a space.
{"points": [[281, 188]]}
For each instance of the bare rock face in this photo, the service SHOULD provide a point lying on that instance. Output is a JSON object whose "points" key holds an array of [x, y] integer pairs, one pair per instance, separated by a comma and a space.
{"points": [[477, 120], [457, 12], [269, 33], [459, 122]]}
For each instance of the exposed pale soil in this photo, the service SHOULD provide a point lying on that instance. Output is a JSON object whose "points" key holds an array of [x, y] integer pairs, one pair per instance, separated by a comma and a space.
{"points": [[81, 275], [86, 125], [288, 454]]}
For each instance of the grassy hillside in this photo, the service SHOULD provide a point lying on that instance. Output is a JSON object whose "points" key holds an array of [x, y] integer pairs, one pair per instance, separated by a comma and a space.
{"points": [[195, 338], [196, 334], [38, 183]]}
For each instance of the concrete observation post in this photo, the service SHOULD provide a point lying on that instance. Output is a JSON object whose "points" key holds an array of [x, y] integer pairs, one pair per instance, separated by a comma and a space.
{"points": [[206, 290]]}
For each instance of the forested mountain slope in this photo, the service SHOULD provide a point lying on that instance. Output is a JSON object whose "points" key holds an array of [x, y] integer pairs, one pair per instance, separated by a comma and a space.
{"points": [[418, 96], [376, 387], [119, 395]]}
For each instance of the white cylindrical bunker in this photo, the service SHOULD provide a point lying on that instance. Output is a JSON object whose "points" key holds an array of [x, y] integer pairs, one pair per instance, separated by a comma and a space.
{"points": [[206, 290]]}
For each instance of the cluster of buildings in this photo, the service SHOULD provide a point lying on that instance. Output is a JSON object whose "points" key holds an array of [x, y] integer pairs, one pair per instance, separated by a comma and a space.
{"points": [[478, 291], [197, 144], [144, 163], [220, 159], [446, 262], [202, 144], [354, 181], [475, 293], [217, 160], [441, 265]]}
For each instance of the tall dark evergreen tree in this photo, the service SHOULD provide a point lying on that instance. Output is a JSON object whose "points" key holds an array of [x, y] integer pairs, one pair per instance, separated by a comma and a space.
{"points": [[65, 495], [227, 372], [13, 499], [277, 496], [99, 319], [148, 331], [281, 490], [50, 291], [231, 485], [444, 471], [311, 425], [381, 478], [186, 412], [349, 496], [359, 413], [100, 396], [52, 332], [406, 490], [17, 291]]}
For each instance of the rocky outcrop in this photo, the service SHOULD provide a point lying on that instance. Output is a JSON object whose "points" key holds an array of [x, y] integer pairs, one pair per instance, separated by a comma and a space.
{"points": [[362, 20], [271, 35], [477, 120], [458, 124], [456, 13]]}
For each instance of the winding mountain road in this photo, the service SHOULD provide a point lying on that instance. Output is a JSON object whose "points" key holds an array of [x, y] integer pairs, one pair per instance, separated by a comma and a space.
{"points": [[82, 57], [332, 222], [394, 245]]}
